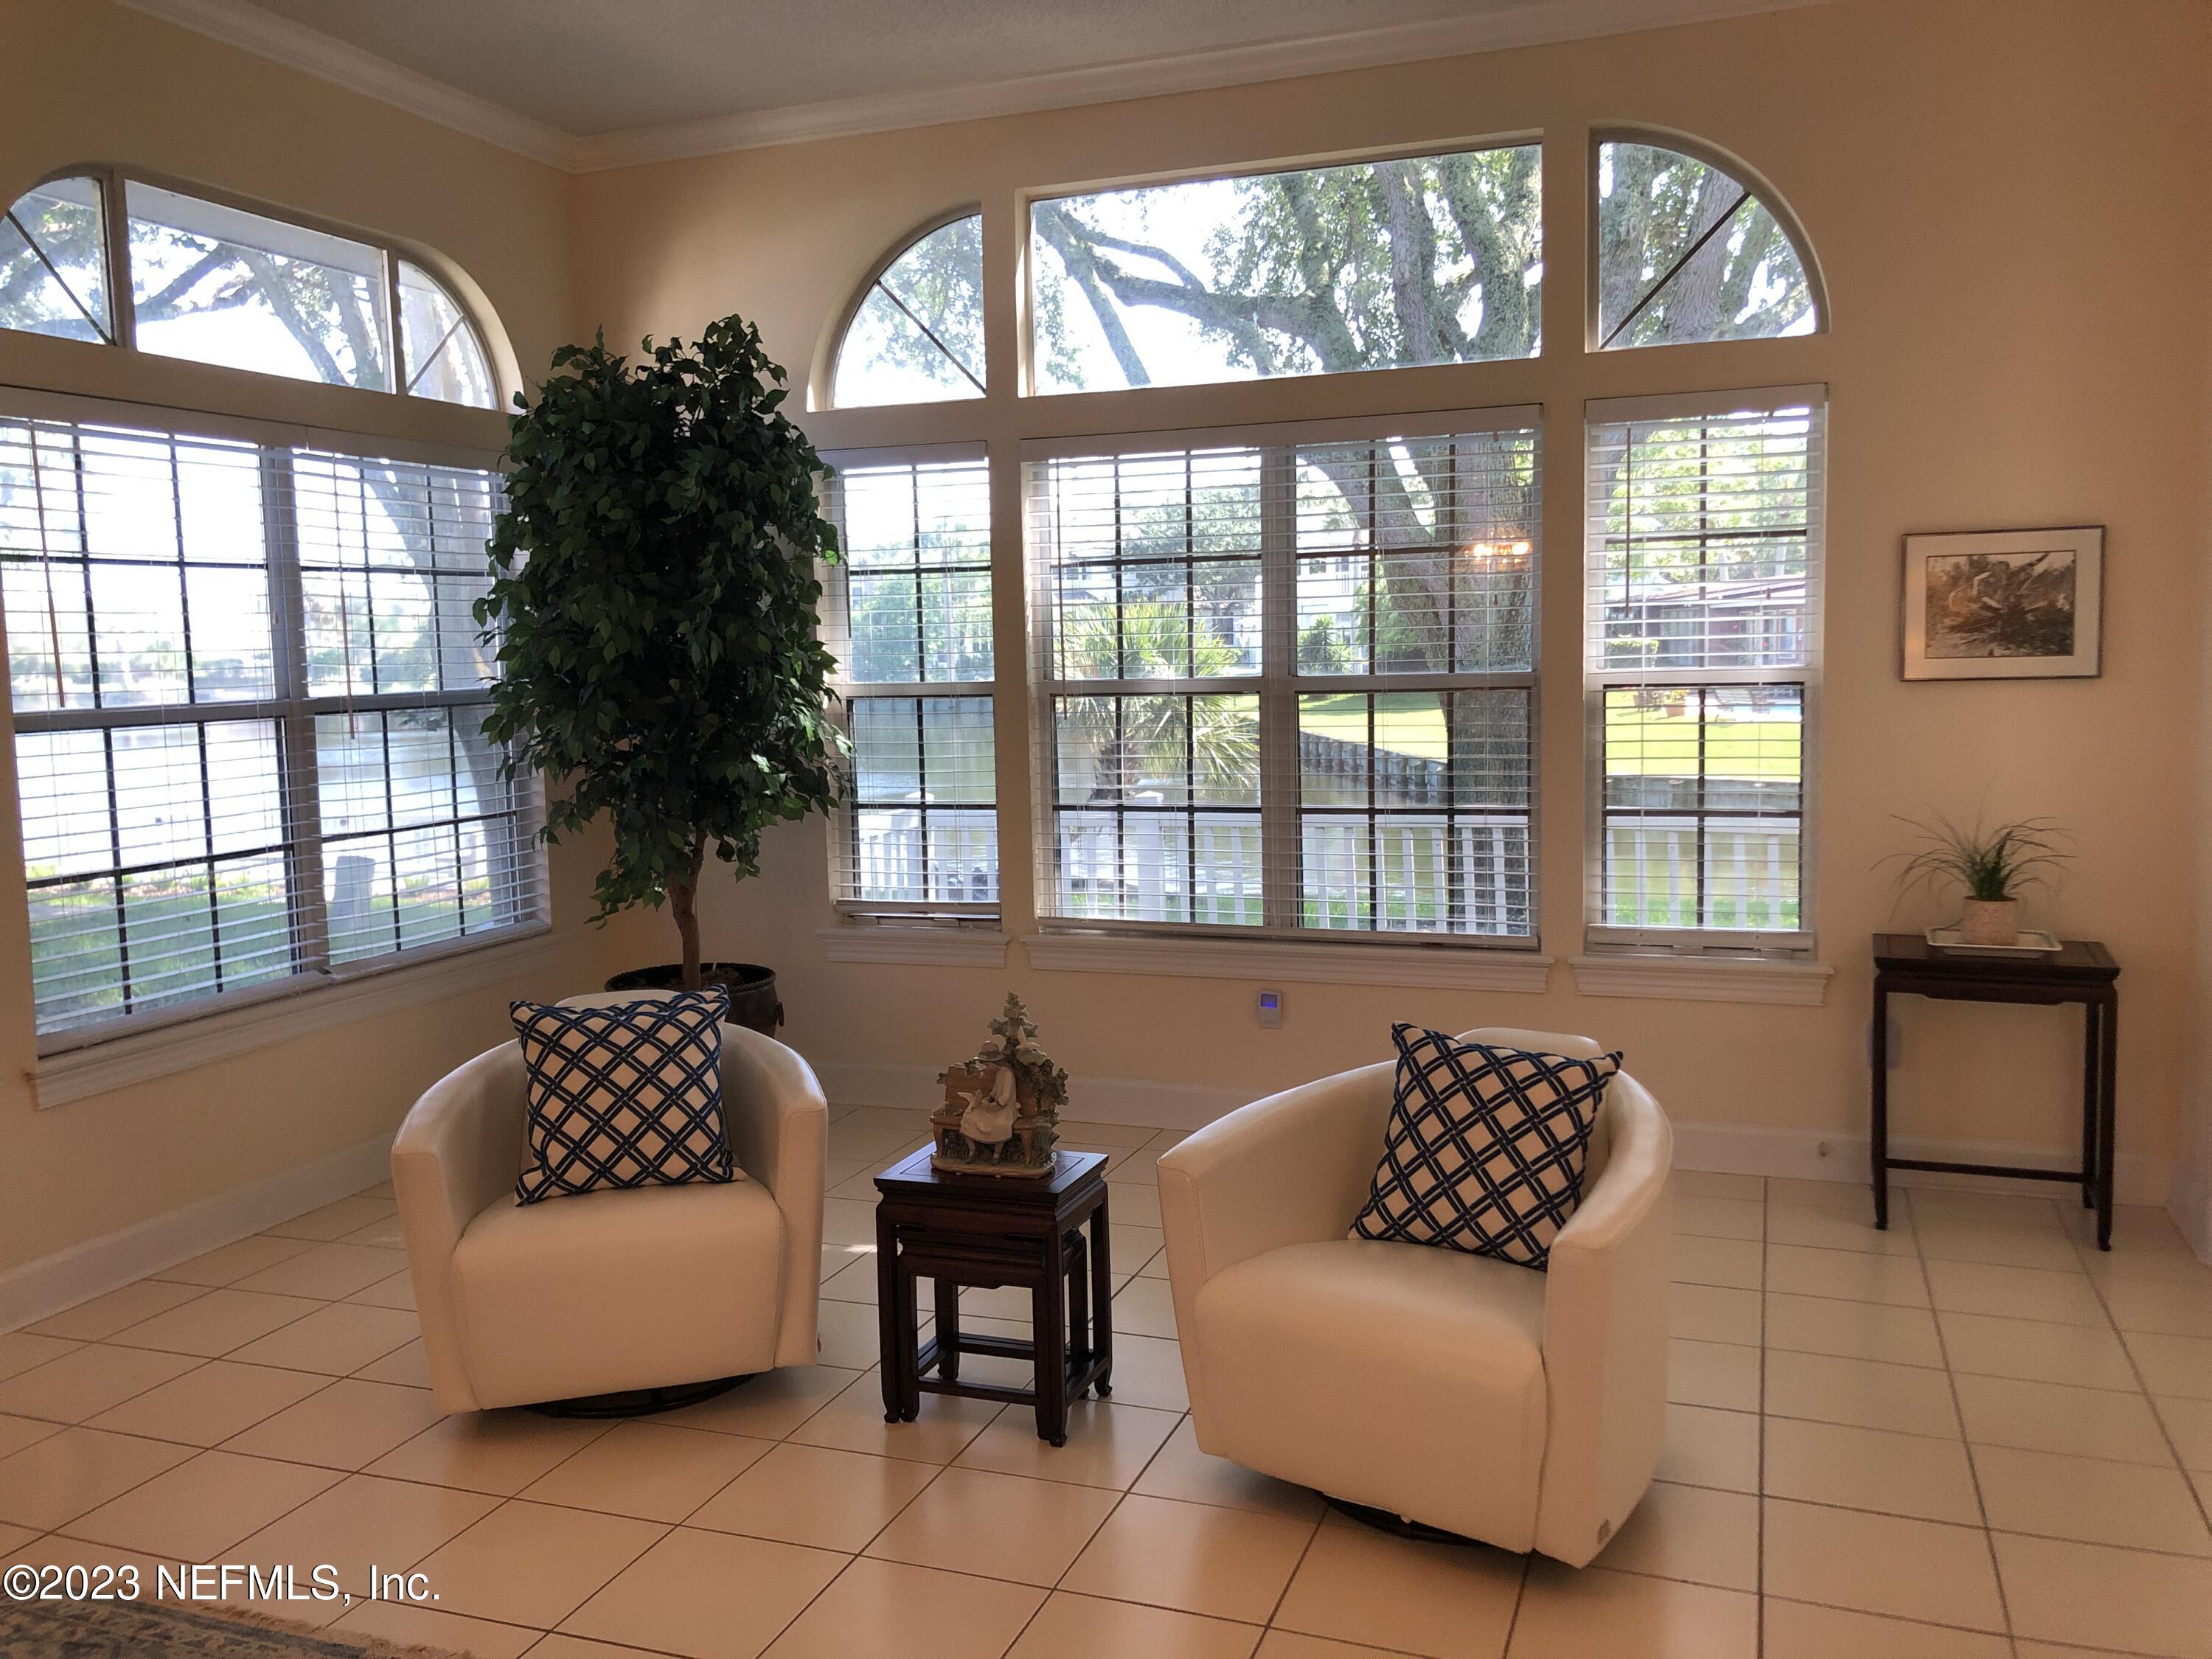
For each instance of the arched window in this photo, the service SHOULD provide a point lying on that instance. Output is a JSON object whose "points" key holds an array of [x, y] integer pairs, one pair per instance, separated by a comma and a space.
{"points": [[444, 355], [53, 271], [220, 284], [1686, 252], [916, 336]]}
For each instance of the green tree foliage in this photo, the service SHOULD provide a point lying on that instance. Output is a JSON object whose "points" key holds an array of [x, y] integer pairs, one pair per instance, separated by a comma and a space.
{"points": [[1380, 265], [655, 603], [1686, 253], [1132, 739], [924, 315]]}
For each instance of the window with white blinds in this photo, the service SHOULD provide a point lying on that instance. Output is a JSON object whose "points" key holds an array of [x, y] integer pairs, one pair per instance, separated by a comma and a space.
{"points": [[910, 619], [1702, 667], [1287, 684], [247, 690]]}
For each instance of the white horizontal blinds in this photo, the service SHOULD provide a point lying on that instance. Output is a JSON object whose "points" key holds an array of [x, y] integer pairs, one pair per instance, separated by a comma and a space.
{"points": [[1703, 612], [420, 837], [1287, 685], [166, 663], [140, 660], [911, 625], [1417, 559]]}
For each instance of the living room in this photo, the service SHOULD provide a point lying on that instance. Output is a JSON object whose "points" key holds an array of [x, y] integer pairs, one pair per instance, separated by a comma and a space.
{"points": [[1370, 567]]}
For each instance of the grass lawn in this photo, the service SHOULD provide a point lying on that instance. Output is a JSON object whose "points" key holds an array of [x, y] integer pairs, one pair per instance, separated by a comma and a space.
{"points": [[1643, 742], [1650, 742], [1404, 723]]}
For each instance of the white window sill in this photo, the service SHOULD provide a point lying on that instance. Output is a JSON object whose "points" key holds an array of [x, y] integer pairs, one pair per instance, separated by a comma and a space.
{"points": [[1673, 978], [1455, 966], [920, 945], [100, 1067]]}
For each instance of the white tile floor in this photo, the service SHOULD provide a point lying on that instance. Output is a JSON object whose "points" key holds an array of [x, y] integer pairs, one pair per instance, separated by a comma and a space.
{"points": [[1972, 1435]]}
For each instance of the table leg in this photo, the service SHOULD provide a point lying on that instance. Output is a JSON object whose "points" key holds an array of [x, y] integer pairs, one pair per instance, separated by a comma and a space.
{"points": [[1078, 1296], [2108, 1107], [1879, 1140], [890, 1343], [2091, 1058], [948, 1330], [1102, 1291], [1048, 1331]]}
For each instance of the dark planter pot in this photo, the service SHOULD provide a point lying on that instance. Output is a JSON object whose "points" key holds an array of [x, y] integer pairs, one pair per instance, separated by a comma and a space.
{"points": [[753, 1002]]}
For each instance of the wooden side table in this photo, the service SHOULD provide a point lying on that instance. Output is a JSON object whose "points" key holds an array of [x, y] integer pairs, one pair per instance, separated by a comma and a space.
{"points": [[2081, 971], [990, 1231]]}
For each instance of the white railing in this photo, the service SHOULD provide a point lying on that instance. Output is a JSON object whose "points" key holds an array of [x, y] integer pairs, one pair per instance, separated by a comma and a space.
{"points": [[1420, 874], [1436, 876], [949, 856], [1750, 870]]}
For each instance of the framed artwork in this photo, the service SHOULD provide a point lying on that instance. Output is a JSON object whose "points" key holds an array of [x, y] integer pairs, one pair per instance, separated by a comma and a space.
{"points": [[2004, 604]]}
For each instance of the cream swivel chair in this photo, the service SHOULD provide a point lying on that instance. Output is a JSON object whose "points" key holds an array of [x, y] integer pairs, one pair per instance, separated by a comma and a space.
{"points": [[1521, 1408], [602, 1292]]}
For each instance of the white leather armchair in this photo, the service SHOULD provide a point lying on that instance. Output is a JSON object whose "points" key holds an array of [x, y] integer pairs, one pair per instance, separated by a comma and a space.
{"points": [[599, 1292], [1523, 1408]]}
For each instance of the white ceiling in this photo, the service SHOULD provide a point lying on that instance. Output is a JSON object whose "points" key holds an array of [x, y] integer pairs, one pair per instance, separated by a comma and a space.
{"points": [[594, 66], [594, 83]]}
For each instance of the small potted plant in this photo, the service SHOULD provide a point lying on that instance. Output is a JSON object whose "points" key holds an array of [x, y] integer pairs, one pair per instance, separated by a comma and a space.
{"points": [[1992, 866], [653, 603]]}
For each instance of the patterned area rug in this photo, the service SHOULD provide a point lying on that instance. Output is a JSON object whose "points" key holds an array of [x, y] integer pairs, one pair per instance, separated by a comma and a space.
{"points": [[148, 1630]]}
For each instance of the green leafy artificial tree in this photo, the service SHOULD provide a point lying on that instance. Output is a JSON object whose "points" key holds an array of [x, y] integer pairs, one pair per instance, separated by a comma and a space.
{"points": [[654, 607]]}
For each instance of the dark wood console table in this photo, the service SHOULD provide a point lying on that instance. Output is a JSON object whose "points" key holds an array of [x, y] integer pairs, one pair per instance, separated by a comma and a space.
{"points": [[2083, 971], [990, 1231]]}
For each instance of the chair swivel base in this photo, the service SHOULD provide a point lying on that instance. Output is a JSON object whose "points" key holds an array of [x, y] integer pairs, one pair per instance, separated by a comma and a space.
{"points": [[641, 1402], [1396, 1525]]}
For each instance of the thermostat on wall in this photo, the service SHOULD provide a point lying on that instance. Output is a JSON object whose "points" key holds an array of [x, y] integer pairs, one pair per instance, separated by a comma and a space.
{"points": [[1271, 1008]]}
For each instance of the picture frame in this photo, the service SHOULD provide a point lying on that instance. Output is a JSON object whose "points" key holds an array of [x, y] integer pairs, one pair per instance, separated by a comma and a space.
{"points": [[2004, 604]]}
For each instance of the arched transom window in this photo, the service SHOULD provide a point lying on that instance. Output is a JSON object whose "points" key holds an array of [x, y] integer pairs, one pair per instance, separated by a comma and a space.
{"points": [[1686, 252], [225, 285], [917, 334]]}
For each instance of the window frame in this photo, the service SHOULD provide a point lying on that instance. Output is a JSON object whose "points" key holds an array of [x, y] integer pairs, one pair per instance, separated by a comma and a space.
{"points": [[1278, 690], [111, 179], [313, 974], [837, 634], [1600, 937]]}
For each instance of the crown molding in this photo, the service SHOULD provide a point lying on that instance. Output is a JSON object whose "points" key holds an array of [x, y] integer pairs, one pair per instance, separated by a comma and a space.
{"points": [[1501, 27], [1518, 23], [236, 23]]}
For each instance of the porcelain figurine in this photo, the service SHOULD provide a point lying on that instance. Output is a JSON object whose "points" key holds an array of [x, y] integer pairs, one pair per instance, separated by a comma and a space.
{"points": [[1001, 1113]]}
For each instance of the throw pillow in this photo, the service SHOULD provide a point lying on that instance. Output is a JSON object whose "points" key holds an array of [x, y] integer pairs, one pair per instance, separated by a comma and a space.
{"points": [[1487, 1146], [624, 1095]]}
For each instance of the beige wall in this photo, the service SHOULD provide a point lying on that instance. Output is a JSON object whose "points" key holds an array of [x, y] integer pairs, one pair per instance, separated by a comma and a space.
{"points": [[2192, 1195], [92, 82], [2001, 194]]}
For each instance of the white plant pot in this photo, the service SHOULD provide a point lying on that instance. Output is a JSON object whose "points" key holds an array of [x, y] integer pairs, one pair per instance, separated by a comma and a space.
{"points": [[1991, 921]]}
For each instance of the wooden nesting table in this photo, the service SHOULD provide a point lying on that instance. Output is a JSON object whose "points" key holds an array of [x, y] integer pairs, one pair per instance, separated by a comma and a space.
{"points": [[991, 1231]]}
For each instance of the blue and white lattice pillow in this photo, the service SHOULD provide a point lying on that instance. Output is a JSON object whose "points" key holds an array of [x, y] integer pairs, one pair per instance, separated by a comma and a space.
{"points": [[626, 1095], [1487, 1147]]}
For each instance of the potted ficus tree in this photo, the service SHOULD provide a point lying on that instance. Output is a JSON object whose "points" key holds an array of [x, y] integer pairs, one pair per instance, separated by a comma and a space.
{"points": [[1992, 867], [653, 603]]}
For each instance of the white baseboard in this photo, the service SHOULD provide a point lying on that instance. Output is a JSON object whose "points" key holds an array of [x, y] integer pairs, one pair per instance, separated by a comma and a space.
{"points": [[1097, 1099], [1811, 1155], [2190, 1206], [1731, 1148], [45, 1286]]}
